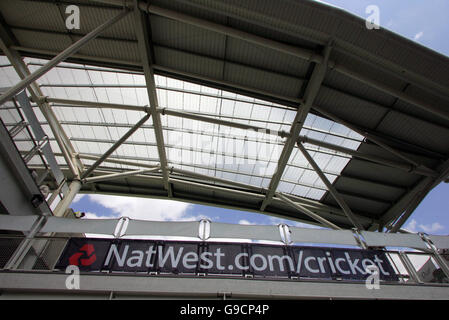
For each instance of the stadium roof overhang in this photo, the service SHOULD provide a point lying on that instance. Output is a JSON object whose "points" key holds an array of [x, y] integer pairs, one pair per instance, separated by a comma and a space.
{"points": [[353, 123]]}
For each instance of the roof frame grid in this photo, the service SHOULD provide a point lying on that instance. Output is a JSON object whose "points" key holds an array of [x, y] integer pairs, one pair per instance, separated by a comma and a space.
{"points": [[420, 169], [411, 164], [229, 85]]}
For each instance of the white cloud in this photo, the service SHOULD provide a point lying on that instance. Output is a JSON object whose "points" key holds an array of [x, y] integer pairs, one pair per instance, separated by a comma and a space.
{"points": [[92, 215], [411, 226], [275, 220], [418, 36], [78, 197], [414, 227], [144, 209], [434, 227]]}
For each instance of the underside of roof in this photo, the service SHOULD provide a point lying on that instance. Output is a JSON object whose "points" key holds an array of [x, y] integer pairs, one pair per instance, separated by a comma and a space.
{"points": [[382, 97]]}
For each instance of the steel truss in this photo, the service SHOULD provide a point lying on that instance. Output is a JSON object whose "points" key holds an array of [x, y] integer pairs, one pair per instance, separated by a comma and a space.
{"points": [[407, 167], [81, 174]]}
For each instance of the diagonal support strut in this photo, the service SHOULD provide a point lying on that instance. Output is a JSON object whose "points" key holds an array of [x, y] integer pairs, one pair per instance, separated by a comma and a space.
{"points": [[145, 53], [25, 82], [331, 188], [308, 212], [310, 94], [114, 147]]}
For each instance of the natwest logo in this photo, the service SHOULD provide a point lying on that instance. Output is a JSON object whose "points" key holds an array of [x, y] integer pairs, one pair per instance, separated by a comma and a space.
{"points": [[84, 257]]}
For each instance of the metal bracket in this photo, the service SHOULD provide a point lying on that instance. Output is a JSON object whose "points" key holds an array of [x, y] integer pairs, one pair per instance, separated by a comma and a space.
{"points": [[204, 229], [359, 238], [285, 232], [121, 227]]}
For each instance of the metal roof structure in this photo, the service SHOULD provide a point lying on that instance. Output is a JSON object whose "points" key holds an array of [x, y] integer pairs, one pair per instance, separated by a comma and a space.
{"points": [[289, 108]]}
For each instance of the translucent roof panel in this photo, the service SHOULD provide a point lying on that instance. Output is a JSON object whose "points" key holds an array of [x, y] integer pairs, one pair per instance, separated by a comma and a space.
{"points": [[299, 177], [244, 156]]}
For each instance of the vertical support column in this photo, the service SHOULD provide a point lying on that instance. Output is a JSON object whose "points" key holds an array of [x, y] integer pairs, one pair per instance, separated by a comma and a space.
{"points": [[62, 206]]}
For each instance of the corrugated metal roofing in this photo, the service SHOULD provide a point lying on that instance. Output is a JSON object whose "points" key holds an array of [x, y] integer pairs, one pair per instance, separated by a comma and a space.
{"points": [[221, 76]]}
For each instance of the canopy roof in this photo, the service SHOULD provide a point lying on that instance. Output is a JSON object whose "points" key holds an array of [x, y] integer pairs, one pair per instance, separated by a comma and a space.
{"points": [[370, 107]]}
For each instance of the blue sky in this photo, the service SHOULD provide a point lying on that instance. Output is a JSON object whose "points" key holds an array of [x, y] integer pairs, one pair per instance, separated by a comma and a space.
{"points": [[426, 23], [422, 21]]}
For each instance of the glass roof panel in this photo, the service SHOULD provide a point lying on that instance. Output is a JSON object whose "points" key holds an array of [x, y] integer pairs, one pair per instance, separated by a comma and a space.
{"points": [[244, 156]]}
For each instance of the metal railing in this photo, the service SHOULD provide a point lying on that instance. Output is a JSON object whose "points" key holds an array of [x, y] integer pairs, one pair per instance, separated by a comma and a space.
{"points": [[205, 229], [419, 267]]}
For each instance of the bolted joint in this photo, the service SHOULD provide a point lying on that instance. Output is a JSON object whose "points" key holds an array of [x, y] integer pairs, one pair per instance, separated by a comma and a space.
{"points": [[147, 109], [37, 200], [39, 99], [283, 134], [302, 139]]}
